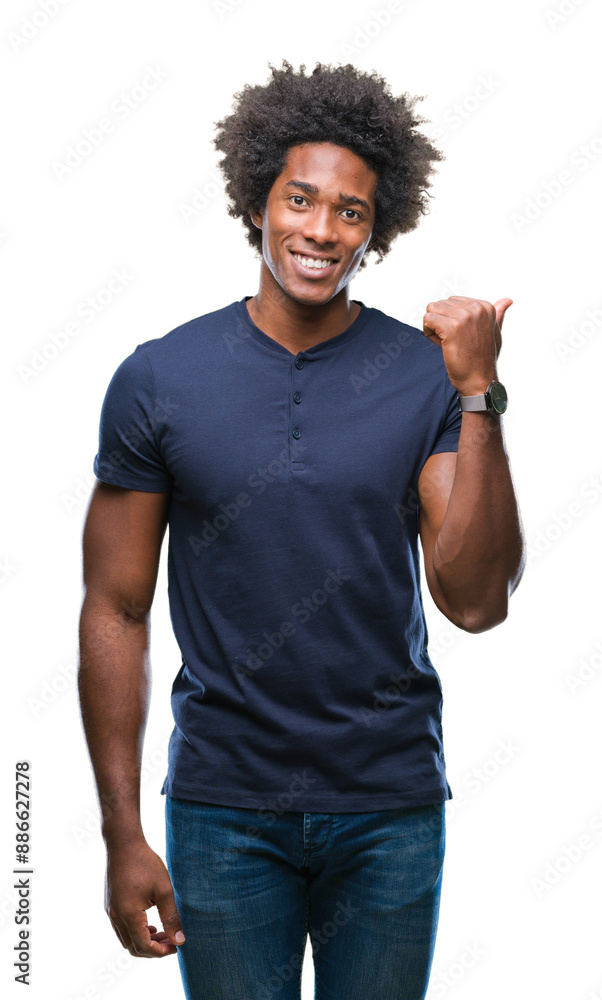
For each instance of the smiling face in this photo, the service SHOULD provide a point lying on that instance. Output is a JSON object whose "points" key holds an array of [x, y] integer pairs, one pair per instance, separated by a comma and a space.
{"points": [[320, 209]]}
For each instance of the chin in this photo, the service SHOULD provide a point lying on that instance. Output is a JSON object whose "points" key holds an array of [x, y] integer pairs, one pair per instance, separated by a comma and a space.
{"points": [[315, 297]]}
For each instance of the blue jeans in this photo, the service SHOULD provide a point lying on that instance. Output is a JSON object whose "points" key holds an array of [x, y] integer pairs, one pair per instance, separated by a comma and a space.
{"points": [[249, 884]]}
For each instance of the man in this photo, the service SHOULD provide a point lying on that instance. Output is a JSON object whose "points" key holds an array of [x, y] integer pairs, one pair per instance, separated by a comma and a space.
{"points": [[298, 443]]}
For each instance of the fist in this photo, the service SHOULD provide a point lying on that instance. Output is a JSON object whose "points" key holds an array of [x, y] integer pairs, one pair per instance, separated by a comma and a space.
{"points": [[469, 332]]}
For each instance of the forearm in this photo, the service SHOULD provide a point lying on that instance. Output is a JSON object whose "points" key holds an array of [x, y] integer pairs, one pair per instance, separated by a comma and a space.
{"points": [[114, 692], [478, 556]]}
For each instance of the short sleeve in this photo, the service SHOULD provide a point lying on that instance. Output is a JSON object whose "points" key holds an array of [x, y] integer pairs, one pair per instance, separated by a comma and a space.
{"points": [[449, 433], [130, 425]]}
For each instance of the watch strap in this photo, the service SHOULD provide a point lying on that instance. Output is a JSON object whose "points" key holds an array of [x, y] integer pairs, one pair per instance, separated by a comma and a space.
{"points": [[472, 402]]}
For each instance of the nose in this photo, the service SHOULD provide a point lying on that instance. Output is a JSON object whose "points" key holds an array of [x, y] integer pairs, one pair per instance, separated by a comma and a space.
{"points": [[318, 226]]}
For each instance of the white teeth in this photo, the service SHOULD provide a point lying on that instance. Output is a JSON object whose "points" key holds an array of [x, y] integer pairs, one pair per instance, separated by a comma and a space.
{"points": [[310, 262]]}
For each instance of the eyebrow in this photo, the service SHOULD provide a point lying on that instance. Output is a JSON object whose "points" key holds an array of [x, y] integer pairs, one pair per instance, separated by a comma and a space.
{"points": [[349, 199]]}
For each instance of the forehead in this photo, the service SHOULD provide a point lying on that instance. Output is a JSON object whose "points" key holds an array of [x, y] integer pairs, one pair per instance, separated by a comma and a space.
{"points": [[327, 165]]}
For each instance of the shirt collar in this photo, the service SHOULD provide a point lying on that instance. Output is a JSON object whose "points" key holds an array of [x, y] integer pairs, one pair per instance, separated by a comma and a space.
{"points": [[324, 347]]}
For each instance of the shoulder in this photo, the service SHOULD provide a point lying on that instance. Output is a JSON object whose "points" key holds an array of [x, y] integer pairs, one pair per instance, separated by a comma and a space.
{"points": [[411, 339], [191, 337]]}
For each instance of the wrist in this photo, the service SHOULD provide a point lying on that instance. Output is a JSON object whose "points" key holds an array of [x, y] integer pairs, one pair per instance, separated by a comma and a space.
{"points": [[477, 386], [121, 823], [491, 400], [124, 835]]}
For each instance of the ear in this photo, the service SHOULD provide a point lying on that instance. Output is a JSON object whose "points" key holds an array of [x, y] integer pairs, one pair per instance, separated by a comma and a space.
{"points": [[256, 219]]}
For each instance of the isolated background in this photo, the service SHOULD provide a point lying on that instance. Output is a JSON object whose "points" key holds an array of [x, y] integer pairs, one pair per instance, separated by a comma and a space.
{"points": [[511, 94]]}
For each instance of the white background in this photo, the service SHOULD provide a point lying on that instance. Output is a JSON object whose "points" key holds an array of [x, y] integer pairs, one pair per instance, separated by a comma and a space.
{"points": [[498, 226]]}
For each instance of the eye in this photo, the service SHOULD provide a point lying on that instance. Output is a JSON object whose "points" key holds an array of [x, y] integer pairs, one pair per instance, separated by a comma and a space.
{"points": [[301, 198]]}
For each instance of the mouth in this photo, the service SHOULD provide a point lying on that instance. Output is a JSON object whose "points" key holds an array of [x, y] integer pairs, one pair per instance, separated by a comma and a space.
{"points": [[313, 266]]}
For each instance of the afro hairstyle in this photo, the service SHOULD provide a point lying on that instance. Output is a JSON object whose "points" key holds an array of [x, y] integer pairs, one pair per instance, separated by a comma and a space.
{"points": [[339, 104]]}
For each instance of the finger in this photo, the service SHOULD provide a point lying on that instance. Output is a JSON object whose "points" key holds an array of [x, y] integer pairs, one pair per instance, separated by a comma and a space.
{"points": [[431, 325], [170, 918], [463, 300], [442, 307], [469, 298], [143, 944], [160, 936], [501, 307], [126, 938], [120, 930], [470, 301], [431, 334]]}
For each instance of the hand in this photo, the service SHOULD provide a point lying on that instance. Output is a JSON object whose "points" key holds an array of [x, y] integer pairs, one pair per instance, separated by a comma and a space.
{"points": [[136, 879], [469, 333]]}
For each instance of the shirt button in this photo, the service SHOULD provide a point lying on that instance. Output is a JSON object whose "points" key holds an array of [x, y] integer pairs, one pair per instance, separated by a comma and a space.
{"points": [[297, 397], [296, 432], [299, 363]]}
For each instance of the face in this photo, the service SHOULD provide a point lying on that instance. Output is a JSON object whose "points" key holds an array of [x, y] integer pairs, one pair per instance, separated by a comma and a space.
{"points": [[321, 208]]}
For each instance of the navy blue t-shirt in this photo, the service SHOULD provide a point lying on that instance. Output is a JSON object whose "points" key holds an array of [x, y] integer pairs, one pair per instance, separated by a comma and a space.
{"points": [[293, 567]]}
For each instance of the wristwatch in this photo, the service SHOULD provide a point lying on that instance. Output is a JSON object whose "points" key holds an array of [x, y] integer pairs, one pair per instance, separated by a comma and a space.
{"points": [[494, 398]]}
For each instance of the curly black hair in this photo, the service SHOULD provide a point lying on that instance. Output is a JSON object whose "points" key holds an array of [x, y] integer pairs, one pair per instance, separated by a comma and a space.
{"points": [[339, 104]]}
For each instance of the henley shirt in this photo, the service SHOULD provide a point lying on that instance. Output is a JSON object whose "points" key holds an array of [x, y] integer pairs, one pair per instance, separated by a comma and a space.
{"points": [[294, 586]]}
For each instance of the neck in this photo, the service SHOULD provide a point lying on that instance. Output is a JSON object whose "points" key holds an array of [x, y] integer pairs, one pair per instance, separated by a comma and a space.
{"points": [[299, 325]]}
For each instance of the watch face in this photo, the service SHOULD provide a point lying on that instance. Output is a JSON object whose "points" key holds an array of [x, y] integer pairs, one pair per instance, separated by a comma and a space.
{"points": [[499, 399]]}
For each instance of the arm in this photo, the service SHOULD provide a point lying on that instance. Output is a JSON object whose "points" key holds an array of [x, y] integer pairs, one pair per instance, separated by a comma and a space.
{"points": [[122, 540], [470, 526], [469, 522]]}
